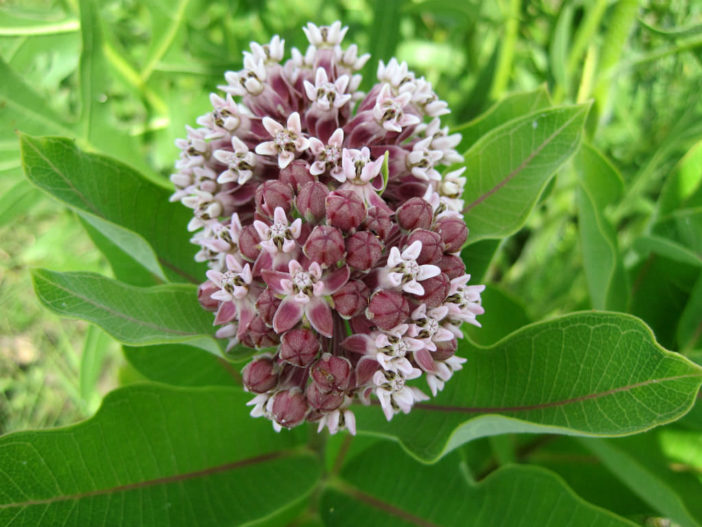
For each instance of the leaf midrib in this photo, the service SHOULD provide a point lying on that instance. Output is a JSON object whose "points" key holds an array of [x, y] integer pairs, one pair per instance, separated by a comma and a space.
{"points": [[174, 478], [551, 404]]}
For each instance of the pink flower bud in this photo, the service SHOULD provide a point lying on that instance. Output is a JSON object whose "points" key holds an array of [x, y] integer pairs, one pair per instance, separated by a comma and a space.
{"points": [[332, 372], [436, 290], [452, 265], [260, 375], [266, 306], [325, 245], [258, 335], [432, 246], [310, 200], [203, 295], [351, 299], [453, 233], [289, 407], [296, 174], [325, 401], [415, 213], [271, 195], [445, 349], [387, 309], [360, 324], [363, 250], [299, 347], [248, 243], [379, 222], [345, 209]]}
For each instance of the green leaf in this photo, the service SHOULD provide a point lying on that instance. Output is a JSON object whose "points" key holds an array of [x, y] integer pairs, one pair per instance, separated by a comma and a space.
{"points": [[133, 315], [155, 456], [382, 486], [13, 25], [639, 464], [510, 166], [689, 329], [600, 185], [17, 201], [506, 109], [182, 365], [650, 243], [591, 374], [112, 191], [503, 315], [478, 257]]}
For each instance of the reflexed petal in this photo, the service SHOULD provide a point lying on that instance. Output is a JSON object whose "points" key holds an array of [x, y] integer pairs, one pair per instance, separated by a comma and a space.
{"points": [[246, 315], [273, 280], [320, 316], [336, 280], [225, 313], [287, 316], [358, 343]]}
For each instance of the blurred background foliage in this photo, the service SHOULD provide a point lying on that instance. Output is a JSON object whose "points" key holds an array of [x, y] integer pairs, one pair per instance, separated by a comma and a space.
{"points": [[125, 77]]}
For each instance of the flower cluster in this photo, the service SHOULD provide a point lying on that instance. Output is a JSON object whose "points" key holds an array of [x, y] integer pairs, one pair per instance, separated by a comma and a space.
{"points": [[331, 234]]}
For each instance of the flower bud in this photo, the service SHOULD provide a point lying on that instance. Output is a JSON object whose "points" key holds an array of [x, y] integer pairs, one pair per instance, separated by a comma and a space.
{"points": [[445, 349], [325, 245], [415, 213], [325, 401], [310, 200], [260, 375], [432, 246], [345, 209], [271, 195], [351, 299], [387, 309], [258, 335], [453, 232], [266, 306], [452, 265], [436, 290], [299, 347], [289, 407], [248, 243], [296, 174], [363, 249], [332, 372], [203, 295], [379, 222]]}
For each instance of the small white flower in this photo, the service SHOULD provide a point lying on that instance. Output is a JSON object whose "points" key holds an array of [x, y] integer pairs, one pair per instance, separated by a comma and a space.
{"points": [[286, 141], [389, 110], [234, 282], [357, 166], [271, 53], [281, 236], [394, 395], [251, 80], [240, 162], [325, 36], [338, 420], [402, 269], [328, 157], [421, 161], [327, 95], [427, 326]]}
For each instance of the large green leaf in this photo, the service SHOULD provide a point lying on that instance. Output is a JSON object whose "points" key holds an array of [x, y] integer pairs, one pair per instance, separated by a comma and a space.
{"points": [[592, 374], [133, 315], [639, 464], [507, 109], [382, 486], [182, 365], [600, 185], [114, 192], [155, 456], [509, 167]]}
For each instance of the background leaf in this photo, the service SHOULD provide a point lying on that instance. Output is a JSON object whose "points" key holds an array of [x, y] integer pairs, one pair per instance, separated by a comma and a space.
{"points": [[132, 315], [382, 486], [112, 191], [593, 374], [510, 166], [155, 456]]}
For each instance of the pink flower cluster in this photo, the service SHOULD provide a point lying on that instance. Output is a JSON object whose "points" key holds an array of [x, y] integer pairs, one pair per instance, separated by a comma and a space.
{"points": [[331, 233]]}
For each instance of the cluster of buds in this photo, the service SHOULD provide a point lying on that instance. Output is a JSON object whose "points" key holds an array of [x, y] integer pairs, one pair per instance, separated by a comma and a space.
{"points": [[331, 234]]}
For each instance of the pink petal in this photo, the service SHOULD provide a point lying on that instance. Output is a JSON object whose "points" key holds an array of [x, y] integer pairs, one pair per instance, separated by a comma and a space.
{"points": [[365, 369], [424, 359], [225, 313], [288, 314], [246, 315], [273, 280], [358, 343], [320, 316], [336, 280]]}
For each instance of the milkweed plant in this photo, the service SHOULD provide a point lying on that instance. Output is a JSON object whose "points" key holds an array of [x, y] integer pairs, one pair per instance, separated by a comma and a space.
{"points": [[326, 256]]}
